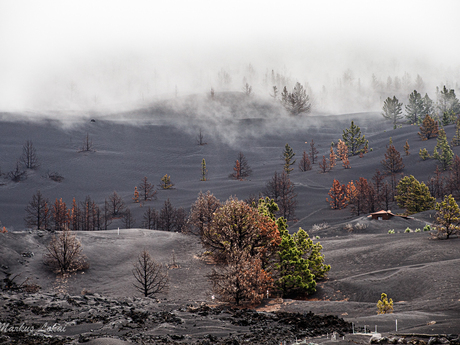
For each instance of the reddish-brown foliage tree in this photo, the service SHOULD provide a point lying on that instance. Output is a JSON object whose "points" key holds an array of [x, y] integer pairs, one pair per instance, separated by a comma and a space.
{"points": [[241, 170], [324, 165], [60, 215], [242, 280], [332, 158], [350, 192], [342, 152], [305, 163], [237, 171], [360, 198], [136, 195], [406, 148], [337, 193], [238, 228], [429, 128], [75, 216]]}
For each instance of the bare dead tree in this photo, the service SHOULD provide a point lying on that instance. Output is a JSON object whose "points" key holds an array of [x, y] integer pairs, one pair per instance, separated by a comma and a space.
{"points": [[167, 217], [90, 215], [17, 174], [180, 220], [106, 216], [128, 219], [151, 218], [313, 152], [147, 190], [117, 206], [281, 190], [38, 212], [199, 139], [29, 155], [247, 89], [151, 277], [65, 253], [87, 144]]}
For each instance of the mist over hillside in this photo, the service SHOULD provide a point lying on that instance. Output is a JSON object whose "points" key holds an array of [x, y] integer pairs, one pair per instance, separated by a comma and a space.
{"points": [[162, 139], [349, 56]]}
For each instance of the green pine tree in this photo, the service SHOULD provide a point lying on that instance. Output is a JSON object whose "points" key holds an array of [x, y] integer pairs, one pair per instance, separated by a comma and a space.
{"points": [[448, 117], [204, 171], [414, 109], [456, 139], [447, 217], [166, 182], [355, 141], [300, 263], [446, 155], [288, 156], [268, 207], [413, 196], [392, 110], [447, 102], [295, 276], [384, 305], [428, 108], [424, 155]]}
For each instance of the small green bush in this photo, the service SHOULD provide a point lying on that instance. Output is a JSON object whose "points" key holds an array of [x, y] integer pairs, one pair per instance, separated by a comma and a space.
{"points": [[408, 230], [384, 305], [391, 231], [317, 237], [418, 230], [424, 154], [427, 227]]}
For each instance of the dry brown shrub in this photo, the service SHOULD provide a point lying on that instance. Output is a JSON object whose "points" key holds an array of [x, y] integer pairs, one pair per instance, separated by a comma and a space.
{"points": [[65, 254]]}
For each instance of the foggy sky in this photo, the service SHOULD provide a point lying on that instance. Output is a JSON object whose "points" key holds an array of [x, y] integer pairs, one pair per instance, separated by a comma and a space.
{"points": [[86, 54]]}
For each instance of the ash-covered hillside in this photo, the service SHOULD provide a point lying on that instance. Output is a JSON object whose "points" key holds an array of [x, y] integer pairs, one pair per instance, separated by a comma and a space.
{"points": [[162, 139]]}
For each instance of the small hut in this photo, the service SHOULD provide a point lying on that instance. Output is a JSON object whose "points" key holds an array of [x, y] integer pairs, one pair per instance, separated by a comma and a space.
{"points": [[382, 215]]}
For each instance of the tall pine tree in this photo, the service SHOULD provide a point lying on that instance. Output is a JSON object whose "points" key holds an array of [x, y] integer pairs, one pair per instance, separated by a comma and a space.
{"points": [[445, 156], [413, 196], [288, 155], [415, 107], [392, 110], [204, 171], [353, 138]]}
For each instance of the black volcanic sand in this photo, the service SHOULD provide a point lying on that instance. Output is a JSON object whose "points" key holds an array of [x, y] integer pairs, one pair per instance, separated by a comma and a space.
{"points": [[418, 273], [421, 275]]}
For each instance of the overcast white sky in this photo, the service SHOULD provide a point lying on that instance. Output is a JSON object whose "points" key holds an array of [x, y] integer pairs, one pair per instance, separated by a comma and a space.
{"points": [[45, 42]]}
